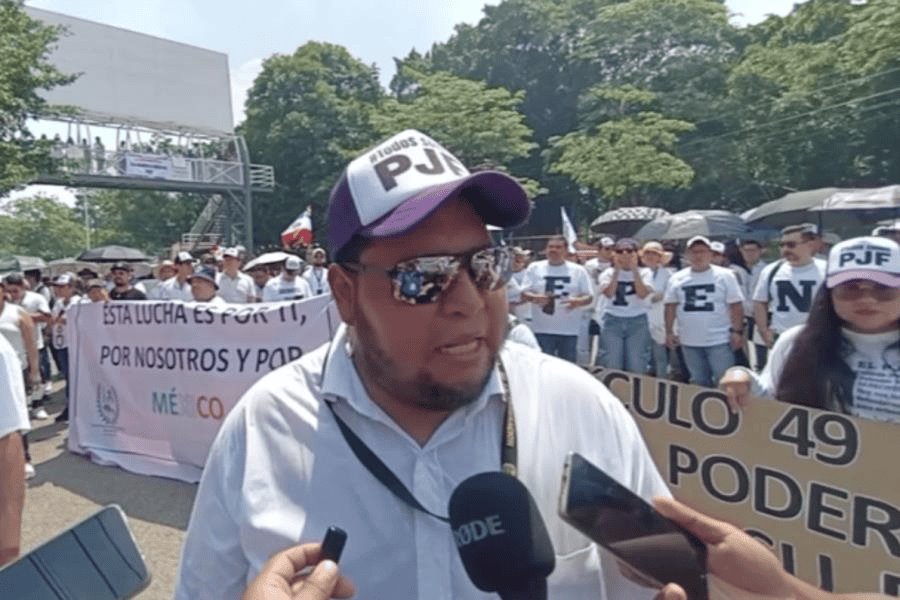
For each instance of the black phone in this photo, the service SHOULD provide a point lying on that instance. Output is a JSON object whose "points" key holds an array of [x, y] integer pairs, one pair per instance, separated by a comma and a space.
{"points": [[616, 518], [97, 559], [333, 544]]}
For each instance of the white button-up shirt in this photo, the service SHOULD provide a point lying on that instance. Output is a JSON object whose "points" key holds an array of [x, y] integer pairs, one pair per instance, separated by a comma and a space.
{"points": [[280, 473], [237, 290], [170, 289], [317, 278]]}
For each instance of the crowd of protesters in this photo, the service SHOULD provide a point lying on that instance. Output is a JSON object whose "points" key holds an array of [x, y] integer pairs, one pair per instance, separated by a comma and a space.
{"points": [[714, 312], [817, 327], [33, 310]]}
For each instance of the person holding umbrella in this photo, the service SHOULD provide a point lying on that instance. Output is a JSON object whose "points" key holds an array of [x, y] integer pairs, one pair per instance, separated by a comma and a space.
{"points": [[846, 356]]}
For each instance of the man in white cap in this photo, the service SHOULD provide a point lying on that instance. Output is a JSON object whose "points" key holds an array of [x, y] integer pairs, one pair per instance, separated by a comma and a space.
{"points": [[417, 386], [289, 285], [178, 287], [890, 231], [317, 274], [718, 252], [595, 266], [234, 286], [164, 271], [707, 303], [786, 288]]}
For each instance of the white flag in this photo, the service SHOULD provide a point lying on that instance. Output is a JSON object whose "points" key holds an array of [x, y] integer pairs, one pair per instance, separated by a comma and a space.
{"points": [[568, 230]]}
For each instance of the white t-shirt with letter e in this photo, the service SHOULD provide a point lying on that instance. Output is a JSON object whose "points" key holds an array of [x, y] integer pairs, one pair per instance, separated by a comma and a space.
{"points": [[703, 299], [568, 280]]}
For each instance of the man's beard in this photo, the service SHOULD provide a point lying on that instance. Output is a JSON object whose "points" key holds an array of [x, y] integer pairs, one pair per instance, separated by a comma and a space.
{"points": [[422, 392]]}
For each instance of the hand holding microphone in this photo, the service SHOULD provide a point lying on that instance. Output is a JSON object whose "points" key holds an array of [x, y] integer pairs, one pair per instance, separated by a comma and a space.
{"points": [[281, 578]]}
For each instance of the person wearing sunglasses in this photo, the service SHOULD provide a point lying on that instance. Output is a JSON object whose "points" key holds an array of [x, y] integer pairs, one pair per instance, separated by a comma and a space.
{"points": [[846, 357], [625, 342], [785, 289], [416, 392]]}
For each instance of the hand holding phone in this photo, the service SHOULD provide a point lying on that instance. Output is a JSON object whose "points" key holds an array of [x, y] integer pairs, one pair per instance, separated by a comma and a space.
{"points": [[610, 514], [97, 558]]}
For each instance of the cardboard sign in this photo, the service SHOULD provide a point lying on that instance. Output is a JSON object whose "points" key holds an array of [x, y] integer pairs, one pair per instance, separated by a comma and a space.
{"points": [[821, 489]]}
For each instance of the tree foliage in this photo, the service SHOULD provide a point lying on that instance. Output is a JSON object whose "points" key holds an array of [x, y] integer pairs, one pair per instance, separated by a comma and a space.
{"points": [[150, 221], [480, 125], [24, 72], [621, 151], [307, 114], [40, 226]]}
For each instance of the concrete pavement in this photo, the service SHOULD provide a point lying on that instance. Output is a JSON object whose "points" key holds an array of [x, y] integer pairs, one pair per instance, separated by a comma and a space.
{"points": [[69, 488]]}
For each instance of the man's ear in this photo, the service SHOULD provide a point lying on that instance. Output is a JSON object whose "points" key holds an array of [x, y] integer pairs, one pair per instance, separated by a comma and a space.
{"points": [[343, 290]]}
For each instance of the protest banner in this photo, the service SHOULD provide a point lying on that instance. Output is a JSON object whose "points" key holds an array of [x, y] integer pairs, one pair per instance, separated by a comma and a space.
{"points": [[821, 489], [152, 381], [154, 166]]}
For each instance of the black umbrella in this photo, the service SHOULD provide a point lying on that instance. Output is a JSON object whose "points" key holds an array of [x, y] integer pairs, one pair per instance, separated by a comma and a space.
{"points": [[103, 254], [625, 221], [14, 262], [791, 209], [685, 225]]}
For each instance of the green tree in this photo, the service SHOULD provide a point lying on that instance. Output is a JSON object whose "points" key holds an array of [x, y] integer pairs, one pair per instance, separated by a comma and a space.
{"points": [[150, 221], [479, 124], [41, 226], [620, 151], [556, 50], [816, 96], [307, 114], [24, 72]]}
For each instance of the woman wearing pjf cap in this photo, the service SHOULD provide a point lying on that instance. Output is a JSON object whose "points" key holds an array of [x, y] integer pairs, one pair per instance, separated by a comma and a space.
{"points": [[846, 357]]}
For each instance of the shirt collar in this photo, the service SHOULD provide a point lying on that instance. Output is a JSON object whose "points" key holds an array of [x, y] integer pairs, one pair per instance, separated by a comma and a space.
{"points": [[340, 380]]}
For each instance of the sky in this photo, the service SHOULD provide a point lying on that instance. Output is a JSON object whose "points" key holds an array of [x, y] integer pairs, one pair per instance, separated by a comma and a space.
{"points": [[248, 32]]}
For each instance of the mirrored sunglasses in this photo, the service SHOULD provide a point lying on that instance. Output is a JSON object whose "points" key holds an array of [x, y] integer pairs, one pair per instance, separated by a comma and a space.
{"points": [[421, 280]]}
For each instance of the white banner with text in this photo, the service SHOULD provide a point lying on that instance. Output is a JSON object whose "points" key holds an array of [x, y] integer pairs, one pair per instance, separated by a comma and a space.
{"points": [[152, 381]]}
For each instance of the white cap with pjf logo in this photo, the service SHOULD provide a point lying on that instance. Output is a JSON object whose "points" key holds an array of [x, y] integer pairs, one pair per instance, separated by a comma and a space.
{"points": [[870, 258]]}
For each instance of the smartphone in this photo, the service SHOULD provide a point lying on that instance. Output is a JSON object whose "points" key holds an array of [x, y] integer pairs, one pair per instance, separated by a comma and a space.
{"points": [[333, 544], [97, 559], [628, 527]]}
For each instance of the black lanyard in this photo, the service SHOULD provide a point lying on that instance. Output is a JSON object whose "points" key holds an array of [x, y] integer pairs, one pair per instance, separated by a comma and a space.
{"points": [[381, 472]]}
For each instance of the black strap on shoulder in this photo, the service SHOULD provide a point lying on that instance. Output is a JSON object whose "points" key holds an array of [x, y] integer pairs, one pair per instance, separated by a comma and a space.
{"points": [[772, 278], [387, 478], [378, 469]]}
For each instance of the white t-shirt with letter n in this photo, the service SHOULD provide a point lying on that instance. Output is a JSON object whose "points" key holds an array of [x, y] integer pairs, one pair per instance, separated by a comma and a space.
{"points": [[625, 302], [702, 299], [792, 291], [568, 280]]}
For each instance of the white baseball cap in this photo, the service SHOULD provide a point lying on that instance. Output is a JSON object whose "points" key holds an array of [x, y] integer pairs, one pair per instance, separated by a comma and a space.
{"points": [[232, 252], [870, 258], [888, 228], [699, 239], [64, 279], [717, 247], [292, 263]]}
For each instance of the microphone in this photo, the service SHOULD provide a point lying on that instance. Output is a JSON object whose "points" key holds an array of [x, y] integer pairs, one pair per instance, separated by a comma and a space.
{"points": [[501, 536]]}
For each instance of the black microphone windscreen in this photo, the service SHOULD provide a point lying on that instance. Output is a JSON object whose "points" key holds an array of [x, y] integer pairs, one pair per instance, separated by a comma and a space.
{"points": [[501, 536]]}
